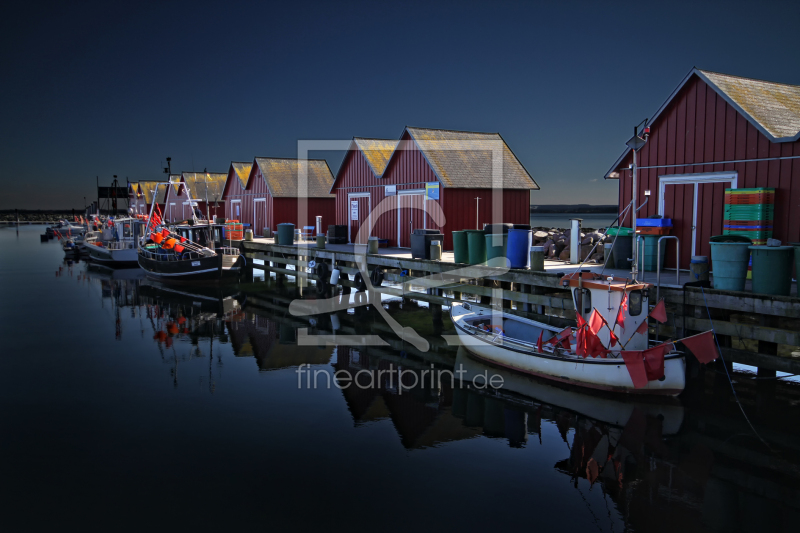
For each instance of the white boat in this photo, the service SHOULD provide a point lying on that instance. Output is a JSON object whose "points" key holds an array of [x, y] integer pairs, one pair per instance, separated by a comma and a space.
{"points": [[511, 341], [65, 229], [616, 410], [117, 248]]}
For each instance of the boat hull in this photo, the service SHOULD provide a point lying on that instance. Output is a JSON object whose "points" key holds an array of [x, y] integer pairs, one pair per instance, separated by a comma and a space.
{"points": [[202, 270], [601, 374], [123, 258]]}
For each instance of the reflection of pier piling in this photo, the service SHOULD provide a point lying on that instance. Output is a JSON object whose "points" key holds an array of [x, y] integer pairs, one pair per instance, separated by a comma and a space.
{"points": [[758, 330]]}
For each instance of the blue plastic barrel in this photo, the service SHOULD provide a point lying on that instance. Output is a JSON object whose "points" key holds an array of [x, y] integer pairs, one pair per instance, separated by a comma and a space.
{"points": [[730, 261], [519, 246]]}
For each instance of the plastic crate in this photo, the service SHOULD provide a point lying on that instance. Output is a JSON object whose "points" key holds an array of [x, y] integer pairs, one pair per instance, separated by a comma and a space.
{"points": [[755, 235], [763, 227], [746, 222], [751, 190], [653, 222], [653, 230], [750, 199]]}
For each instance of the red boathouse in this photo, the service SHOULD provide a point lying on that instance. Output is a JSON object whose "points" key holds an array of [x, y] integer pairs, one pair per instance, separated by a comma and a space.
{"points": [[191, 192], [717, 131], [275, 192], [233, 195], [429, 171]]}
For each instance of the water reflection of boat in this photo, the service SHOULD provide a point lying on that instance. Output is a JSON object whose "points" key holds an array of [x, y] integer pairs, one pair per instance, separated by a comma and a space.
{"points": [[614, 410], [115, 273]]}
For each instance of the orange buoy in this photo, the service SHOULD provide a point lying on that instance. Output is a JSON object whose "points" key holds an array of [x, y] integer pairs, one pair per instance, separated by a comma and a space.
{"points": [[157, 237], [168, 244]]}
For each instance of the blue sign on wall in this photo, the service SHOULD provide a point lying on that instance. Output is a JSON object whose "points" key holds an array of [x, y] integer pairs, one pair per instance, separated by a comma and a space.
{"points": [[432, 190]]}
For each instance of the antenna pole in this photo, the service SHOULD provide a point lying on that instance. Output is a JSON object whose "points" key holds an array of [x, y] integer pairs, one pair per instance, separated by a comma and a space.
{"points": [[635, 268], [477, 218]]}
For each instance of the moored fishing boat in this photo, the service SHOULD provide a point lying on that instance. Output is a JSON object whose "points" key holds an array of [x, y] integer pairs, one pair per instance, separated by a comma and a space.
{"points": [[117, 245], [609, 349], [193, 252]]}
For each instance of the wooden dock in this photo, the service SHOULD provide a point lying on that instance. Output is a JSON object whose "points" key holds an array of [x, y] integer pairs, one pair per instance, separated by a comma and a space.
{"points": [[758, 330]]}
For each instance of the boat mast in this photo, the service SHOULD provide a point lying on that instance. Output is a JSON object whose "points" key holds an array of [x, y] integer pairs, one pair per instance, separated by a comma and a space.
{"points": [[635, 144]]}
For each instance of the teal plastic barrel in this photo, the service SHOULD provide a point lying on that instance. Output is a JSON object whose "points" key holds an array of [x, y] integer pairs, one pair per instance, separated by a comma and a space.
{"points": [[730, 260], [650, 253], [460, 247], [519, 248], [496, 252], [286, 234], [772, 269], [477, 246]]}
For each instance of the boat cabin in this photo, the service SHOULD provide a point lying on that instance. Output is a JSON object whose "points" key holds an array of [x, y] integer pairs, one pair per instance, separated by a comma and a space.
{"points": [[605, 293]]}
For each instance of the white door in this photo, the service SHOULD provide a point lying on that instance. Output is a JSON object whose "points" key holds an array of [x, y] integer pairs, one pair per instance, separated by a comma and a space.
{"points": [[695, 203]]}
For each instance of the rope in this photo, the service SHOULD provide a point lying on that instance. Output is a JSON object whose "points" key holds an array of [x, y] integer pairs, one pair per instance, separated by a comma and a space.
{"points": [[725, 366]]}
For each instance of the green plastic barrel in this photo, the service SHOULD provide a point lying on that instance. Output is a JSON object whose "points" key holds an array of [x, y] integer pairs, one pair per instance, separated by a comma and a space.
{"points": [[496, 251], [477, 246], [772, 269], [729, 261], [286, 234], [460, 247], [649, 252]]}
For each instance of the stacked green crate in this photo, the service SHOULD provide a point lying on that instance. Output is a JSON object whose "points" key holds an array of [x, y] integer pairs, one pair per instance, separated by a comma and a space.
{"points": [[750, 213]]}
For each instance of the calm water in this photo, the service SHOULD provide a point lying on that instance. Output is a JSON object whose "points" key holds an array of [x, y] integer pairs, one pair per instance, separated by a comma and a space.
{"points": [[127, 406]]}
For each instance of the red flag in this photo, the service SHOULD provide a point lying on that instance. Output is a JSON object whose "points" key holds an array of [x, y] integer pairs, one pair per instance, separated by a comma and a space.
{"points": [[596, 321], [634, 362], [623, 308], [654, 360], [659, 312], [613, 339], [702, 346], [565, 333], [539, 342], [580, 335], [642, 327]]}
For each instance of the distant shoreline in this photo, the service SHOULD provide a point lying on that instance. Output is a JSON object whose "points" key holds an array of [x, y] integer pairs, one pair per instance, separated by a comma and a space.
{"points": [[573, 208]]}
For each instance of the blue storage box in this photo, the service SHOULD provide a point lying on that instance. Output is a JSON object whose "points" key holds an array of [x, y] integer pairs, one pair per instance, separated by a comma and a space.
{"points": [[654, 222]]}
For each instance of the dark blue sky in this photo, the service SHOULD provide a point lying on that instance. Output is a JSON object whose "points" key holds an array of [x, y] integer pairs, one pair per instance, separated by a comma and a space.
{"points": [[111, 88]]}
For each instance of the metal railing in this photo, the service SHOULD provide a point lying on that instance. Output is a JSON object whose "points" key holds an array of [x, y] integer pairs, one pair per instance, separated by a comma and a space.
{"points": [[163, 256], [119, 245]]}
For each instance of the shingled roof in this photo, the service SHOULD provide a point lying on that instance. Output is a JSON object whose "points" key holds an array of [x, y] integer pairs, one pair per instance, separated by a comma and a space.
{"points": [[377, 152], [242, 171], [146, 188], [773, 108], [204, 185], [281, 176], [463, 159]]}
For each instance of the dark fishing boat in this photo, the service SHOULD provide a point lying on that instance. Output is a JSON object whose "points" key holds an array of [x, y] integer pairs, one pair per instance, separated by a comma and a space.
{"points": [[192, 252]]}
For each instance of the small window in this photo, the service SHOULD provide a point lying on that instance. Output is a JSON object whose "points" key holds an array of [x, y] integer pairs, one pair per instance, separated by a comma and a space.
{"points": [[635, 303], [587, 300]]}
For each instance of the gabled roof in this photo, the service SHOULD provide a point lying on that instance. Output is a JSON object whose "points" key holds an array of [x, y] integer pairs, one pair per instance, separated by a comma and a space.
{"points": [[146, 189], [134, 187], [463, 159], [281, 176], [773, 108], [377, 152], [202, 185], [242, 171]]}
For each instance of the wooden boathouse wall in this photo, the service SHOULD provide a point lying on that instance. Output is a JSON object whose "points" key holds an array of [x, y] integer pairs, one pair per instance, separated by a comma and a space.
{"points": [[757, 330], [408, 170], [699, 126]]}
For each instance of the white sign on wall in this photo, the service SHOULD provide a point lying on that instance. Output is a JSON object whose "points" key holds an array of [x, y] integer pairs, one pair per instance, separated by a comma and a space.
{"points": [[390, 190], [354, 210]]}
